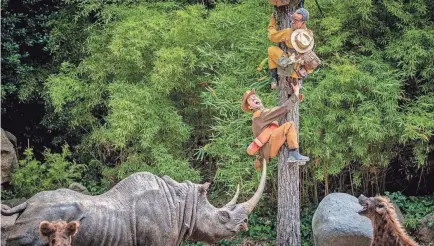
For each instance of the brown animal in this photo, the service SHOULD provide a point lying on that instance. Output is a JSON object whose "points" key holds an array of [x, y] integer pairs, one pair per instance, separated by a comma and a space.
{"points": [[387, 229], [58, 233]]}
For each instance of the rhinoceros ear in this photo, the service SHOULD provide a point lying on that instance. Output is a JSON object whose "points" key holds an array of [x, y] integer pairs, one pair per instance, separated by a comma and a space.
{"points": [[203, 189]]}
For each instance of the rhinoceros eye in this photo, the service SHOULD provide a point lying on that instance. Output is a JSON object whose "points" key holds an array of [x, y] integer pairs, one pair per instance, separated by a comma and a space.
{"points": [[224, 217]]}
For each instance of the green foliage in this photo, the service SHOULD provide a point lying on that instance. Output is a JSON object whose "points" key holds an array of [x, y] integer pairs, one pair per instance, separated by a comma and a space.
{"points": [[56, 172], [413, 208], [7, 194], [124, 93], [156, 75], [367, 84], [306, 216], [24, 48], [156, 86], [68, 32], [360, 115], [26, 62]]}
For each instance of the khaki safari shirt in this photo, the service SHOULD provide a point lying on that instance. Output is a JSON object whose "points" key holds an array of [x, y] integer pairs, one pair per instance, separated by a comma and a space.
{"points": [[285, 36], [264, 117]]}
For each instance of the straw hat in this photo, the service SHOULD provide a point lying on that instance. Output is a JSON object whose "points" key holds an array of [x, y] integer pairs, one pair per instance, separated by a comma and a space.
{"points": [[244, 104], [302, 40]]}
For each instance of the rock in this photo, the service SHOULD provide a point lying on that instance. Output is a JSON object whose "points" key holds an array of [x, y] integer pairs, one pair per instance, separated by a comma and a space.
{"points": [[9, 159], [6, 223], [425, 232], [337, 223], [79, 188]]}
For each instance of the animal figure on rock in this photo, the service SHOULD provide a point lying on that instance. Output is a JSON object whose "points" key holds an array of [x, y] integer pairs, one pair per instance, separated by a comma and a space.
{"points": [[142, 209], [58, 233], [386, 226]]}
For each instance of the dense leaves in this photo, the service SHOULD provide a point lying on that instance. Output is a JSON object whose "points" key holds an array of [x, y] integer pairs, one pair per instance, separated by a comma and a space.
{"points": [[57, 172], [25, 37], [156, 86], [374, 93]]}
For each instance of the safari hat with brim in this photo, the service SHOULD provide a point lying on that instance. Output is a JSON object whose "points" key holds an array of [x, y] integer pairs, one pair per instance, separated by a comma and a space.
{"points": [[302, 40], [244, 104]]}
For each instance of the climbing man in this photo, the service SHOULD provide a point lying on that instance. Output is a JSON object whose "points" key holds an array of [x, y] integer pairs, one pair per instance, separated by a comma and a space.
{"points": [[299, 60], [269, 136]]}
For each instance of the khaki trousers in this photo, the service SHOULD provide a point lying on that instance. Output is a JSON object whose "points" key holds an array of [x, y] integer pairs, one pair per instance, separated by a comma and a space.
{"points": [[285, 132], [274, 53]]}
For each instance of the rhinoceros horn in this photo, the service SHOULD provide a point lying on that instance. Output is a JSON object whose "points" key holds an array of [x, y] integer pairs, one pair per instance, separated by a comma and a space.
{"points": [[250, 204], [234, 200]]}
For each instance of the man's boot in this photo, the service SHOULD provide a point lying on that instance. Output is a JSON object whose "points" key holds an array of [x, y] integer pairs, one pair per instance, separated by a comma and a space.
{"points": [[273, 73], [295, 156]]}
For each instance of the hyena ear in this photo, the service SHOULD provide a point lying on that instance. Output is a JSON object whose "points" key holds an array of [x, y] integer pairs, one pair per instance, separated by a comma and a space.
{"points": [[72, 228], [46, 228]]}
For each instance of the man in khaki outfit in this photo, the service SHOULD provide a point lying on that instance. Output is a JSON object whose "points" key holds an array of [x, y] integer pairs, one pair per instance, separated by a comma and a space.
{"points": [[298, 39], [274, 138]]}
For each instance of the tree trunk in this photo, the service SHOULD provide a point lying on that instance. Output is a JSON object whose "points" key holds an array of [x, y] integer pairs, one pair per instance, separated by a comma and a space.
{"points": [[288, 213]]}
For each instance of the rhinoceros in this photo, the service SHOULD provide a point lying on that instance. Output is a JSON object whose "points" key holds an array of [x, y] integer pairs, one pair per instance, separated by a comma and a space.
{"points": [[142, 209]]}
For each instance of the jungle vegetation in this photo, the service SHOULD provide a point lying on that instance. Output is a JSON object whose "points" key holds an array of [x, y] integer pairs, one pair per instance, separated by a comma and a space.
{"points": [[97, 90]]}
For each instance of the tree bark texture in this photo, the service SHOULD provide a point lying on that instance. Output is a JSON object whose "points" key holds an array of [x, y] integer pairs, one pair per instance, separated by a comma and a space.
{"points": [[288, 213]]}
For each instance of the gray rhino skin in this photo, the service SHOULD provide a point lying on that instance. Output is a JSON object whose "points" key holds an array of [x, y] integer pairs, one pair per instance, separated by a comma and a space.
{"points": [[142, 209], [9, 156]]}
